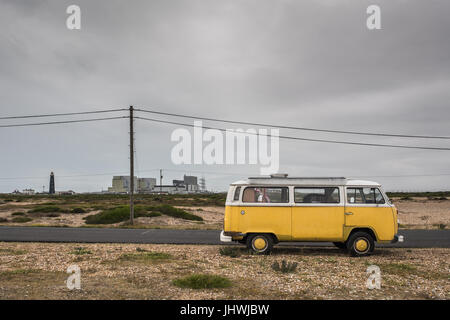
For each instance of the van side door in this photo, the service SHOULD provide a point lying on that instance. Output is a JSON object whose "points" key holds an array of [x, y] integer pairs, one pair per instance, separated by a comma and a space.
{"points": [[318, 214]]}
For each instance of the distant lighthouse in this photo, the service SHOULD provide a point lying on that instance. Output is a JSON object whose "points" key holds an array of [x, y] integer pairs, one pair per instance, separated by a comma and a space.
{"points": [[51, 189]]}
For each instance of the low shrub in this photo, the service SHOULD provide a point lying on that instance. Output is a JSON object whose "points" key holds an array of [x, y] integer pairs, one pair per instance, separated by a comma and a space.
{"points": [[78, 210], [44, 214], [21, 219], [18, 213], [284, 267], [441, 226], [80, 251], [202, 281], [47, 209], [122, 213], [175, 212], [3, 220], [232, 252], [145, 256], [118, 214]]}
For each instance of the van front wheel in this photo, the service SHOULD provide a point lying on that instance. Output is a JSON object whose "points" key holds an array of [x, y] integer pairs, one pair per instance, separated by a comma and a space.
{"points": [[360, 244], [260, 243]]}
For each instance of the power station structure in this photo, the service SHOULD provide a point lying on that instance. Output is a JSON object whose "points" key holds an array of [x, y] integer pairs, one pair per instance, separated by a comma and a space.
{"points": [[51, 188], [122, 184], [189, 184]]}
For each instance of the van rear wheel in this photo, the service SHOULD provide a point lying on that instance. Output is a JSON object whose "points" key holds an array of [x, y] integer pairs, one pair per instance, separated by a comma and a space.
{"points": [[260, 243], [360, 244]]}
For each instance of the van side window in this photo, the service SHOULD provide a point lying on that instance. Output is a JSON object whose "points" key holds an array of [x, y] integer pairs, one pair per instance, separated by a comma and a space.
{"points": [[266, 195], [365, 196], [237, 192], [316, 195]]}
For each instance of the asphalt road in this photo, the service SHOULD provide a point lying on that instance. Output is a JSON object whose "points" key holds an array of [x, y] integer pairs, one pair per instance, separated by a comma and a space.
{"points": [[413, 238]]}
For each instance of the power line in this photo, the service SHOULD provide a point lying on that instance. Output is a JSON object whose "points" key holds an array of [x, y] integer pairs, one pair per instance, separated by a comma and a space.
{"points": [[75, 175], [58, 122], [214, 173], [60, 114], [407, 176], [295, 128], [308, 139]]}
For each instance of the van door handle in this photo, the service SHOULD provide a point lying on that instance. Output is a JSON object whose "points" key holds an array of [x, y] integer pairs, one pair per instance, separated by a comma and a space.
{"points": [[348, 213], [243, 212]]}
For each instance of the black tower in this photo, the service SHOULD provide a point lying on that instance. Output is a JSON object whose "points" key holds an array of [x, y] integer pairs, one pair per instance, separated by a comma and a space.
{"points": [[51, 190]]}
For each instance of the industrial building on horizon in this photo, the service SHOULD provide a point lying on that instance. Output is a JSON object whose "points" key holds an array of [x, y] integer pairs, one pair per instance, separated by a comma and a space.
{"points": [[189, 184]]}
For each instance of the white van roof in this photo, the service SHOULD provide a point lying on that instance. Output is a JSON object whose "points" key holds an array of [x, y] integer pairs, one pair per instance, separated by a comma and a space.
{"points": [[305, 181]]}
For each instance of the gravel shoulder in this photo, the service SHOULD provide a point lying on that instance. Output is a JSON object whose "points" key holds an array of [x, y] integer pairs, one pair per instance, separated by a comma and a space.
{"points": [[38, 271]]}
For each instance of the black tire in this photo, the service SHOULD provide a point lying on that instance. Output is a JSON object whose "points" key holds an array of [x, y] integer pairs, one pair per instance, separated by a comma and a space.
{"points": [[360, 244], [340, 245], [260, 243]]}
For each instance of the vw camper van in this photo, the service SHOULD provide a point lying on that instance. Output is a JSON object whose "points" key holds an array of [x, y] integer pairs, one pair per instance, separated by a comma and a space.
{"points": [[352, 214]]}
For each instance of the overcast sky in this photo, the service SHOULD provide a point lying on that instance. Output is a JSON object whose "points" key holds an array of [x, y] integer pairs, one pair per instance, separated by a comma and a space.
{"points": [[300, 63]]}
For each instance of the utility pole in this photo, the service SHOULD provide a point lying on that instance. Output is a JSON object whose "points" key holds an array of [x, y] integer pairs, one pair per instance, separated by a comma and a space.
{"points": [[131, 167], [160, 180]]}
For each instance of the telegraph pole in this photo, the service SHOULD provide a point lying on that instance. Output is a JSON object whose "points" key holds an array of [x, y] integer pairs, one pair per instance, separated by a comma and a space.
{"points": [[160, 180], [131, 167]]}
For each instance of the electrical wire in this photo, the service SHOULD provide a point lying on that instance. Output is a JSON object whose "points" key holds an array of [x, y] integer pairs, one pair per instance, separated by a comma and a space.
{"points": [[294, 128], [306, 139], [61, 114], [59, 122]]}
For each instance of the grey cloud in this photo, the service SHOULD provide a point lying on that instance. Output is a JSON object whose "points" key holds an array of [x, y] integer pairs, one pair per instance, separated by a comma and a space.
{"points": [[309, 63]]}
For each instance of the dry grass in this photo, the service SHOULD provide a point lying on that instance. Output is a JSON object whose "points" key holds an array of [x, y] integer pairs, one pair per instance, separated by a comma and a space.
{"points": [[422, 213], [127, 271], [414, 213]]}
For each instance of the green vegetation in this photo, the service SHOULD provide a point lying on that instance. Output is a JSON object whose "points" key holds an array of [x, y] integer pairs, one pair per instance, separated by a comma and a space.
{"points": [[10, 274], [202, 281], [12, 251], [284, 267], [3, 220], [398, 268], [175, 212], [78, 210], [18, 213], [103, 201], [47, 209], [442, 194], [21, 219], [122, 213], [119, 214], [145, 256], [232, 252], [80, 251]]}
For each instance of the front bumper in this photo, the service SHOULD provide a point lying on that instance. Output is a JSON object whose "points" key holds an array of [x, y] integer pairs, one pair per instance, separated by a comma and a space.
{"points": [[225, 238], [398, 238]]}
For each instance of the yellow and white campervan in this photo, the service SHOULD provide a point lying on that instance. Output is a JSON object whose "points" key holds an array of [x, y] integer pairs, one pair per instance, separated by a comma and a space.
{"points": [[353, 214]]}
